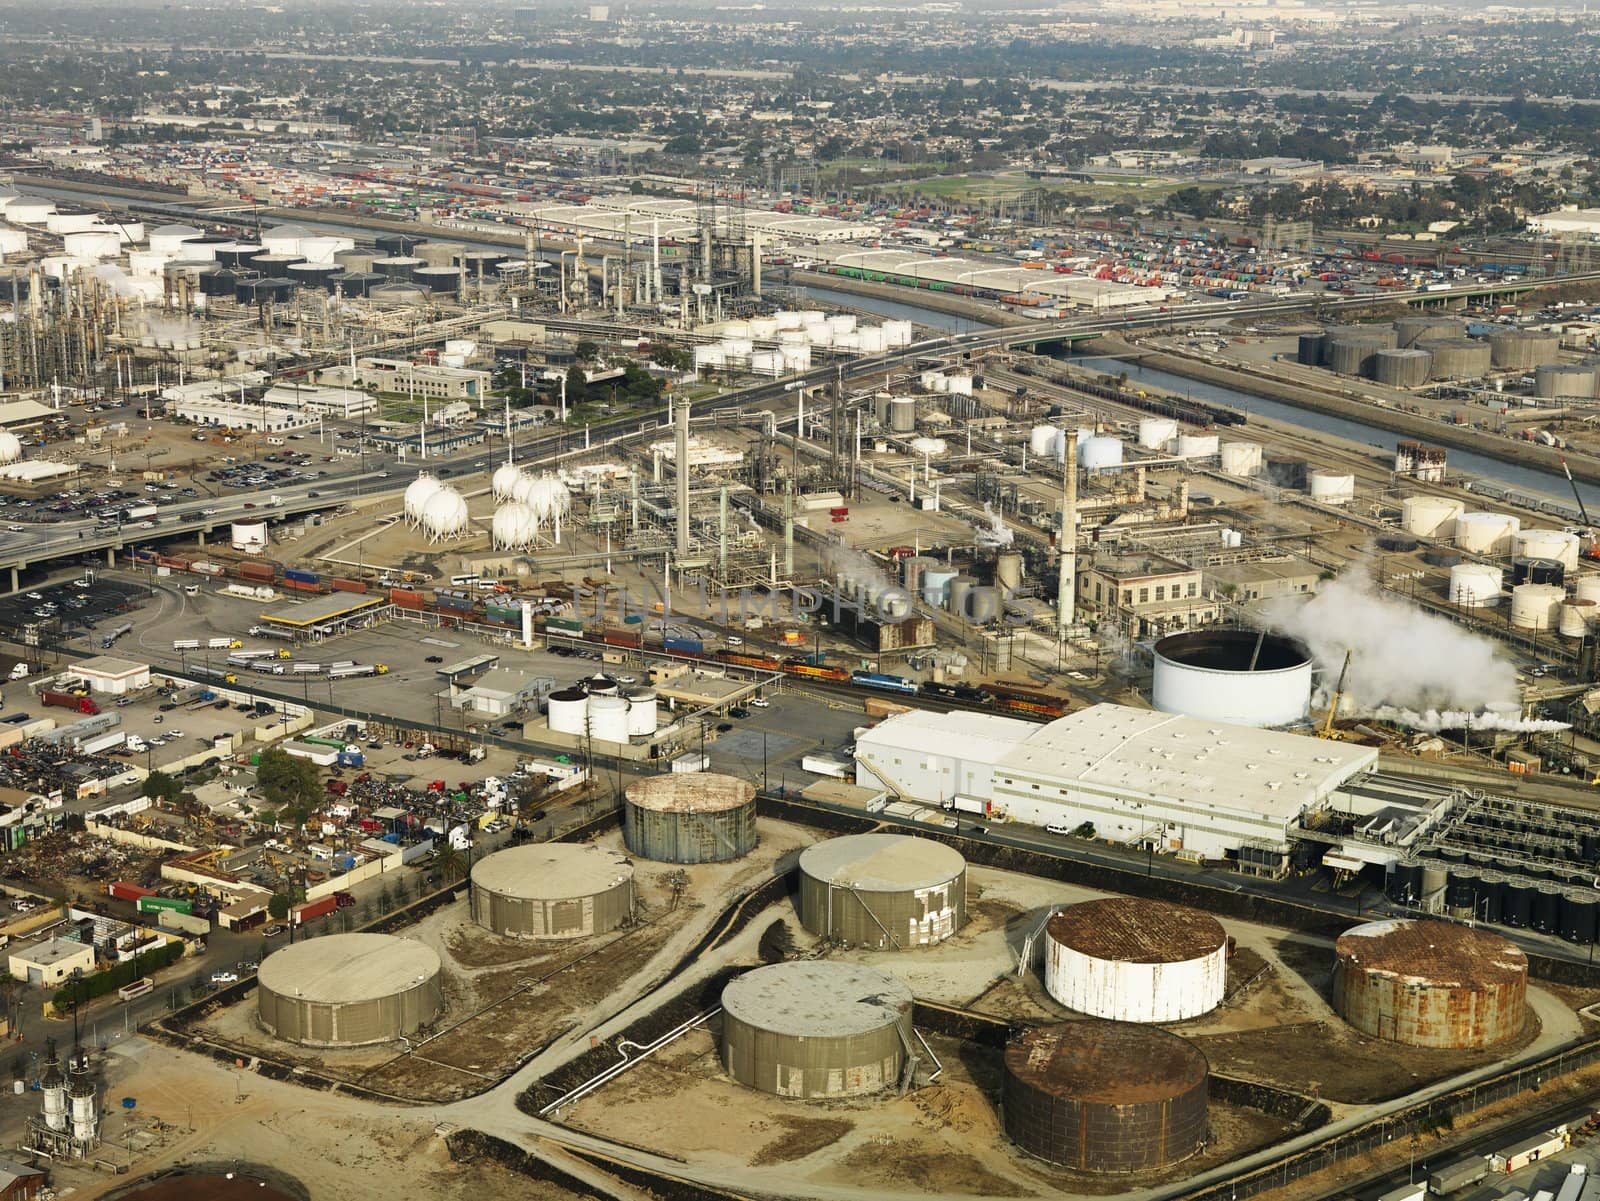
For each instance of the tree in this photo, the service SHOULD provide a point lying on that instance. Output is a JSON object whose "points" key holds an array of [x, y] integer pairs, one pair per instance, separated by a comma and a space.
{"points": [[159, 786], [278, 906], [585, 351], [291, 784], [674, 358], [577, 386], [450, 864]]}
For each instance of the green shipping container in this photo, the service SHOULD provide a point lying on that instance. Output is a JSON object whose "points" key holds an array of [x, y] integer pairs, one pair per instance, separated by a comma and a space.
{"points": [[151, 904], [570, 625]]}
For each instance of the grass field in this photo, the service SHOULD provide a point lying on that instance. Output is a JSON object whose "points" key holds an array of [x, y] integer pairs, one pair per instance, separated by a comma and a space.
{"points": [[1139, 190]]}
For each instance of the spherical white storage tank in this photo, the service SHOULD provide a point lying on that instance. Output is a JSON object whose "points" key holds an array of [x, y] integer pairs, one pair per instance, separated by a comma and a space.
{"points": [[1475, 585], [504, 480], [513, 526], [1242, 459], [444, 514], [608, 718], [1430, 516], [1332, 488], [1099, 452], [1587, 586], [418, 492], [1576, 618], [1133, 960], [1155, 433], [643, 713], [30, 210], [1207, 674], [71, 223], [568, 711], [10, 447], [1547, 544], [166, 239], [1198, 446], [93, 244], [13, 241], [1486, 533], [1536, 606], [249, 537], [1042, 440]]}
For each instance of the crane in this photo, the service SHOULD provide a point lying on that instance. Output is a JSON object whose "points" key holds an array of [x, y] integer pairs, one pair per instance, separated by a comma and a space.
{"points": [[1327, 730], [1591, 551]]}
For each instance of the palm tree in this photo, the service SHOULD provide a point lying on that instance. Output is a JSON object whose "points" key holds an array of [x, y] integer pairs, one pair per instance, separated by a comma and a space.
{"points": [[450, 864]]}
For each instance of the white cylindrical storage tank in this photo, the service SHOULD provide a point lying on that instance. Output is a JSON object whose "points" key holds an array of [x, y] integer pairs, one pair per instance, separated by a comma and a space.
{"points": [[1156, 433], [709, 356], [13, 241], [1547, 544], [1242, 459], [165, 239], [842, 323], [148, 262], [796, 358], [1576, 618], [286, 239], [1198, 446], [93, 244], [1587, 586], [457, 361], [608, 719], [130, 231], [936, 584], [70, 223], [898, 333], [1536, 606], [1430, 516], [738, 348], [1486, 533], [903, 414], [462, 346], [643, 713], [960, 384], [318, 249], [568, 711], [1237, 676], [65, 266], [763, 328], [30, 210], [1332, 488], [249, 536], [871, 339], [1100, 452], [1475, 585], [10, 447], [787, 319], [1042, 440], [1134, 960]]}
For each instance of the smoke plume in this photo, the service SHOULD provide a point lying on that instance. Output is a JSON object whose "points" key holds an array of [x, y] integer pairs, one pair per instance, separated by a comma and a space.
{"points": [[998, 533], [1406, 666]]}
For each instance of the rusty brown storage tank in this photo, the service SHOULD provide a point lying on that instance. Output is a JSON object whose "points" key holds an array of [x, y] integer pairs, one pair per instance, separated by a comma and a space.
{"points": [[691, 817], [552, 890], [1430, 983], [1104, 1096], [349, 990], [1134, 960], [884, 892], [812, 1028]]}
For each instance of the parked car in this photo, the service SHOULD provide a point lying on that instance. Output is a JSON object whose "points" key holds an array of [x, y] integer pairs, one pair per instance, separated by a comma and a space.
{"points": [[224, 977], [273, 930]]}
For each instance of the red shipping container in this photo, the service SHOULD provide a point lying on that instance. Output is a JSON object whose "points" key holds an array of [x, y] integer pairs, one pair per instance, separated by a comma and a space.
{"points": [[347, 585], [301, 586], [124, 891], [403, 598], [257, 571], [301, 914]]}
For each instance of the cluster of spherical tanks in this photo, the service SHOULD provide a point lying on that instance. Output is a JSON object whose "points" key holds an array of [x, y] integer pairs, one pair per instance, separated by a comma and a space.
{"points": [[436, 508], [528, 504]]}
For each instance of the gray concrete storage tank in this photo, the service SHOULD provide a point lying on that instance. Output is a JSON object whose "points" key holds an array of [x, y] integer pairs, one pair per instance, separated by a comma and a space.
{"points": [[812, 1028], [1104, 1096], [440, 254], [692, 817], [1402, 368], [349, 990], [1457, 358], [1382, 334], [552, 890], [883, 891], [439, 280], [1566, 381], [1310, 349], [1522, 349], [1353, 355], [1411, 330]]}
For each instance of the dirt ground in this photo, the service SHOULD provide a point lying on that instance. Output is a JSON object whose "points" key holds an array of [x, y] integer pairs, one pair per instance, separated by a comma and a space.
{"points": [[507, 999], [942, 1139]]}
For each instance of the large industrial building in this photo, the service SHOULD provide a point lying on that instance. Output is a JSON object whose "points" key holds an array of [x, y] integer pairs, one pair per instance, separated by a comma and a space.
{"points": [[816, 1029], [552, 890], [1104, 1096], [349, 990], [1165, 780], [883, 891]]}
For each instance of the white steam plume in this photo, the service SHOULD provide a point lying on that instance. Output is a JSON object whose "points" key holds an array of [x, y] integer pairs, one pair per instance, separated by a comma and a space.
{"points": [[998, 533], [1406, 666]]}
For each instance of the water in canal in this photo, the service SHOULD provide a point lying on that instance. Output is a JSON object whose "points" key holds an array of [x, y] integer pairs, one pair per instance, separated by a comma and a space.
{"points": [[1527, 479]]}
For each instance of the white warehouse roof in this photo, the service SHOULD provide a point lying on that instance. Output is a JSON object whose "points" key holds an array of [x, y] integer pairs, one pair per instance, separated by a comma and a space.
{"points": [[1135, 752]]}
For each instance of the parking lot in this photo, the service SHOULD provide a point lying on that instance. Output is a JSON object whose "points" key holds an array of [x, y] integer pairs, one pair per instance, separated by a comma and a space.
{"points": [[72, 606]]}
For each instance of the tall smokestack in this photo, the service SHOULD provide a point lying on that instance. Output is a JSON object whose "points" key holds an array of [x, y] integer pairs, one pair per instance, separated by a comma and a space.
{"points": [[683, 479], [755, 263], [1066, 592], [655, 259]]}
